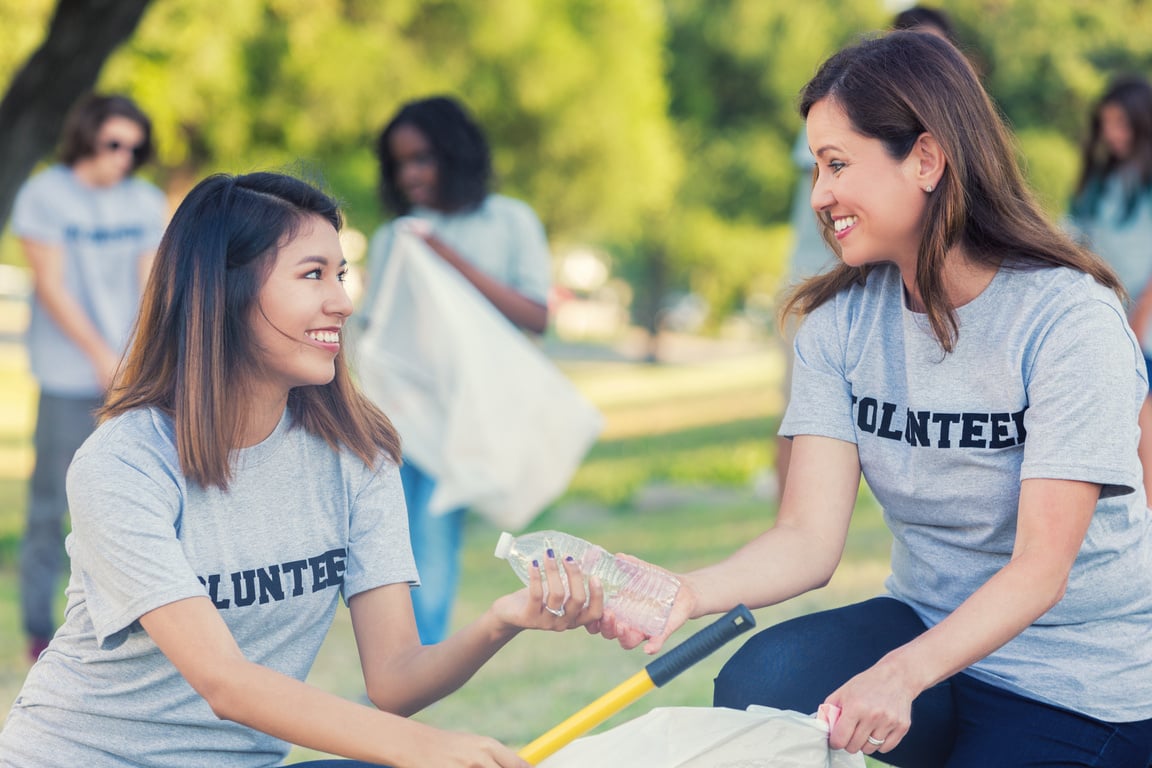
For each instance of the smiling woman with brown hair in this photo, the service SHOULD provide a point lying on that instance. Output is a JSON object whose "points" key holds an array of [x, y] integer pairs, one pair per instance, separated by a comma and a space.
{"points": [[975, 366]]}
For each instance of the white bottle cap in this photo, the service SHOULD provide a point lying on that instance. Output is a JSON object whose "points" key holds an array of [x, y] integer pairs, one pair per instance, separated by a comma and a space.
{"points": [[504, 545]]}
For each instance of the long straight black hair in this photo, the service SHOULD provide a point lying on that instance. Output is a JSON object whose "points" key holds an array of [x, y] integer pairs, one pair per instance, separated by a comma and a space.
{"points": [[193, 349]]}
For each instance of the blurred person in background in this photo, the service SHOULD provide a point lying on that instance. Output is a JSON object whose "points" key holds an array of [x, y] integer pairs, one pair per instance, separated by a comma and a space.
{"points": [[1111, 210], [89, 230], [436, 178]]}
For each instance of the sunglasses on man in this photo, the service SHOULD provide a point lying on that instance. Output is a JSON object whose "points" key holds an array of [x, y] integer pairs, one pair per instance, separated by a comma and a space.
{"points": [[115, 145]]}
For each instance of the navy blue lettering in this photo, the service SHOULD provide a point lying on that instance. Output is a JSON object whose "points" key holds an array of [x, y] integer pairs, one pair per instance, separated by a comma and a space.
{"points": [[936, 429], [327, 569], [244, 588], [295, 568], [1018, 417], [73, 234], [276, 582], [213, 585], [866, 414], [271, 586], [945, 420], [916, 430], [972, 436], [339, 564], [889, 410], [1000, 437]]}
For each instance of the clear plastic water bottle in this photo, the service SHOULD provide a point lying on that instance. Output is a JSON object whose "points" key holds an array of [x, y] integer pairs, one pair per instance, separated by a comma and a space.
{"points": [[637, 594]]}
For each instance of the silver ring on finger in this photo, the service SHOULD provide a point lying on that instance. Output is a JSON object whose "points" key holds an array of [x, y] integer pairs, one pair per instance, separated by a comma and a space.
{"points": [[557, 612], [874, 741]]}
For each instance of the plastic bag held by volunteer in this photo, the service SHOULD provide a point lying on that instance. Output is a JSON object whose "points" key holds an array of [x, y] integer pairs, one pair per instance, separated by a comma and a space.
{"points": [[470, 395]]}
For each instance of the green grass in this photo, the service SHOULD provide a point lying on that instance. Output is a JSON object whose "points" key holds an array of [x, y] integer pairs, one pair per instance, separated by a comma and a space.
{"points": [[671, 480]]}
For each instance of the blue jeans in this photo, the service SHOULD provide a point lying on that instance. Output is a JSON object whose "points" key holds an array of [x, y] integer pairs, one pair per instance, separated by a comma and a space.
{"points": [[959, 723], [436, 541]]}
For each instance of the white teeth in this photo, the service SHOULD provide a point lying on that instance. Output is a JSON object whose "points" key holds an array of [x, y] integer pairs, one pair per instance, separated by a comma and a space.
{"points": [[325, 337], [844, 223]]}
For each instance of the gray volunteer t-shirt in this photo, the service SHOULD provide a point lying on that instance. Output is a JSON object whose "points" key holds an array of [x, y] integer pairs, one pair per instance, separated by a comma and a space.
{"points": [[103, 232], [1045, 381], [299, 527], [501, 237]]}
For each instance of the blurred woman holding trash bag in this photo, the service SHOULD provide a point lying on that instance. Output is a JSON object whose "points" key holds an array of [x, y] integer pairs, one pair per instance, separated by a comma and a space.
{"points": [[450, 282], [238, 486], [976, 367]]}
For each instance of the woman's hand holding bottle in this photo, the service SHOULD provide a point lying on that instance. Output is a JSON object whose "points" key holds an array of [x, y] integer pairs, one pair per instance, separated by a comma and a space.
{"points": [[548, 603], [629, 637]]}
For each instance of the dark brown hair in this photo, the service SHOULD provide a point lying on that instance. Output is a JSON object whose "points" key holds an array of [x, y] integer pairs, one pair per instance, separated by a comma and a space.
{"points": [[1133, 94], [193, 348], [459, 148], [916, 18], [82, 127], [899, 86]]}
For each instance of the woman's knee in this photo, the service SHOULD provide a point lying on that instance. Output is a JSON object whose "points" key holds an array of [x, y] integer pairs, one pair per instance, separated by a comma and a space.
{"points": [[795, 664], [773, 668]]}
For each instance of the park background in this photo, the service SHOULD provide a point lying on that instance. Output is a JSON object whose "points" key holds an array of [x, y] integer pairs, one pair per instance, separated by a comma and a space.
{"points": [[653, 138]]}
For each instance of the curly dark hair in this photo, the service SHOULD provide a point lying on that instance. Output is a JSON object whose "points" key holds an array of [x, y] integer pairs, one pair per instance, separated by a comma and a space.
{"points": [[919, 16], [463, 159]]}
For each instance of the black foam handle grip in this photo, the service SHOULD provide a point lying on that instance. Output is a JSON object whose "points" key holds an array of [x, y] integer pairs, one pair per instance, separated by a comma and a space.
{"points": [[701, 644]]}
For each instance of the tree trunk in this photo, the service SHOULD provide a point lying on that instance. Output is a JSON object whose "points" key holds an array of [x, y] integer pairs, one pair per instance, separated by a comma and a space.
{"points": [[82, 34]]}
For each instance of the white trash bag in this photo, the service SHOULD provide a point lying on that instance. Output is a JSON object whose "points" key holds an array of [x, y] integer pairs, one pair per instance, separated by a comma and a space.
{"points": [[478, 406], [709, 737]]}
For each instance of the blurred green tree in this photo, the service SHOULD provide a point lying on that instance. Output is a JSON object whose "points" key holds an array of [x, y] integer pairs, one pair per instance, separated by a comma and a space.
{"points": [[735, 68], [1045, 64], [80, 36], [571, 94], [657, 129]]}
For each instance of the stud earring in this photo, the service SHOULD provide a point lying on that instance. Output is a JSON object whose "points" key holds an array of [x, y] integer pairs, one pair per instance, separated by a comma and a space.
{"points": [[929, 188]]}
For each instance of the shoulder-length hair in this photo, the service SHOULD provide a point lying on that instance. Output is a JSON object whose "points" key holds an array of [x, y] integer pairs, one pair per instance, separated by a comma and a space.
{"points": [[193, 349], [82, 128], [1133, 94], [459, 148], [899, 86]]}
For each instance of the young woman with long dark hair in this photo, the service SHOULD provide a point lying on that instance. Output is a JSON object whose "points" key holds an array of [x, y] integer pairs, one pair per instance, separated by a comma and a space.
{"points": [[238, 487]]}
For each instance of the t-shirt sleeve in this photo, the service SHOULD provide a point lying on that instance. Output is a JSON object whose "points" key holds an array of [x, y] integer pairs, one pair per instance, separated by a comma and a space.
{"points": [[34, 213], [532, 266], [821, 398], [379, 249], [1084, 383], [157, 207], [379, 547], [124, 544]]}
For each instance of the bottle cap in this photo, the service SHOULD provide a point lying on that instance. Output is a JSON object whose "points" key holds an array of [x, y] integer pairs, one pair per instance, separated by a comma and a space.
{"points": [[504, 545]]}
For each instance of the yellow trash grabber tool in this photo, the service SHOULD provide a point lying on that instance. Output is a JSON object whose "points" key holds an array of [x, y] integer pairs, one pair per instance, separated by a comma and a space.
{"points": [[655, 675]]}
